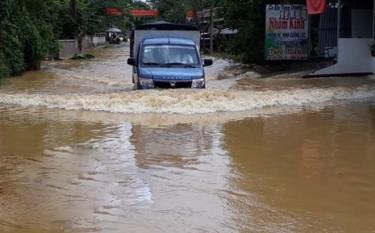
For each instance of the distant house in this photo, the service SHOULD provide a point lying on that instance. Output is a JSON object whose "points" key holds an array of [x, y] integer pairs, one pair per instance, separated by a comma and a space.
{"points": [[219, 31], [112, 33]]}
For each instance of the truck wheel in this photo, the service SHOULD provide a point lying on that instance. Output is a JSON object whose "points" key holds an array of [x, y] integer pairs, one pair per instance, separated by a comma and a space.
{"points": [[137, 86]]}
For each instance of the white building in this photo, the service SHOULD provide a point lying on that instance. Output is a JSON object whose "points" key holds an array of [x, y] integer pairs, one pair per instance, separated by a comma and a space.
{"points": [[355, 39]]}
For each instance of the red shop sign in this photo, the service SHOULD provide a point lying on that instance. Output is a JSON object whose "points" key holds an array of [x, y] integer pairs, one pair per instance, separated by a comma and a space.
{"points": [[114, 11], [136, 12]]}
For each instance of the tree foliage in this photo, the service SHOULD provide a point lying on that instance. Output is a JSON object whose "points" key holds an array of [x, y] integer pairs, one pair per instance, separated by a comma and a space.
{"points": [[248, 16], [29, 29], [25, 36], [171, 10]]}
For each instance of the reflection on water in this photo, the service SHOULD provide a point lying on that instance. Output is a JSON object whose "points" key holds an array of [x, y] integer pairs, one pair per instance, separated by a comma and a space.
{"points": [[311, 171], [316, 168], [157, 147], [117, 179]]}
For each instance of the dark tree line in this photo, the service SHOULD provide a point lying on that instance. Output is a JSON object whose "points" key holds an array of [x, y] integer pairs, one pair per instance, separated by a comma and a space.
{"points": [[247, 16], [29, 29], [26, 37]]}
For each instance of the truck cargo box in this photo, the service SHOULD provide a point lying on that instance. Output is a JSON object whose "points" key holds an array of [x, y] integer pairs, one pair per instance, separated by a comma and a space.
{"points": [[164, 29]]}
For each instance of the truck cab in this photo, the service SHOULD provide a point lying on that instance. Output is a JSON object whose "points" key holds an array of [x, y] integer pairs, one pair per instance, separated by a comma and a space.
{"points": [[166, 55]]}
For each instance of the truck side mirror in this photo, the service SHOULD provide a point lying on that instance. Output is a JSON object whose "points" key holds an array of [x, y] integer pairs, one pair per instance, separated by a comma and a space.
{"points": [[131, 61], [207, 62]]}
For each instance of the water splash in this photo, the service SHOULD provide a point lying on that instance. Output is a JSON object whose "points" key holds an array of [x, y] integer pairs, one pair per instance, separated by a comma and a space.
{"points": [[188, 101]]}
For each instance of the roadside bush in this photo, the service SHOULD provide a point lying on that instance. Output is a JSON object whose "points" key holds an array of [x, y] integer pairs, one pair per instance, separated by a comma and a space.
{"points": [[4, 71], [12, 48], [25, 40]]}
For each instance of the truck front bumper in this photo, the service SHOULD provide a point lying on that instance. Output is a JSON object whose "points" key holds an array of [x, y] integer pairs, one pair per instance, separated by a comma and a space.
{"points": [[195, 83]]}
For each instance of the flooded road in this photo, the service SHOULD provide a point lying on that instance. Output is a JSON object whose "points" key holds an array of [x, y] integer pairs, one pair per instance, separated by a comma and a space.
{"points": [[81, 152]]}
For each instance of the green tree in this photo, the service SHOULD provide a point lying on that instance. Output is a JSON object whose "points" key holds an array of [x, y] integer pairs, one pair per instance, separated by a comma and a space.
{"points": [[26, 37], [171, 10], [29, 29], [248, 16]]}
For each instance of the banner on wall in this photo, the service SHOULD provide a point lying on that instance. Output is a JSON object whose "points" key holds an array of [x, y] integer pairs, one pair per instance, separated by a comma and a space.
{"points": [[316, 6], [287, 32]]}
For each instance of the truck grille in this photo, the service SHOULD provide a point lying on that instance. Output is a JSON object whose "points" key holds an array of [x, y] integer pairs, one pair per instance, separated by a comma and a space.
{"points": [[185, 84]]}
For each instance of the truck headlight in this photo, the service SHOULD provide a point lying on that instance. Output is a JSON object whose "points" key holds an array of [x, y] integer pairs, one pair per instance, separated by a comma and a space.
{"points": [[146, 82], [198, 83]]}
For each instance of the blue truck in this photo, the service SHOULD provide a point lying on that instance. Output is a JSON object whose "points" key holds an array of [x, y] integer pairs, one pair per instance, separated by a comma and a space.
{"points": [[166, 55]]}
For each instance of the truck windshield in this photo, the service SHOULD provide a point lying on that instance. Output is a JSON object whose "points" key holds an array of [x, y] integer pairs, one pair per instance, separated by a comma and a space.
{"points": [[170, 55]]}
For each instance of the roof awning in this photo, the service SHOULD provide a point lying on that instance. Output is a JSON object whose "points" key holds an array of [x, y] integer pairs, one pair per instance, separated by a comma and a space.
{"points": [[113, 30]]}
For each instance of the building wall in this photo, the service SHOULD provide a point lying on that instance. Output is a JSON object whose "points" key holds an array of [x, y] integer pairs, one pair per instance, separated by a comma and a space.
{"points": [[354, 57], [70, 47]]}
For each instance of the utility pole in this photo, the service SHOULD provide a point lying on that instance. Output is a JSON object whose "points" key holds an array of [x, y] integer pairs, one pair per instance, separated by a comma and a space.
{"points": [[338, 25], [195, 5], [212, 27]]}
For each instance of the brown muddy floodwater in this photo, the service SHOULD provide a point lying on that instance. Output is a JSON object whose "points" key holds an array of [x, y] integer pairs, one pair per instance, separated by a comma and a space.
{"points": [[81, 152]]}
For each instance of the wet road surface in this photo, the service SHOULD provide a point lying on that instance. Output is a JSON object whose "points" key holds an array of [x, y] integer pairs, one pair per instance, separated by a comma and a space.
{"points": [[81, 152]]}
